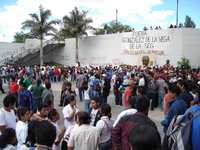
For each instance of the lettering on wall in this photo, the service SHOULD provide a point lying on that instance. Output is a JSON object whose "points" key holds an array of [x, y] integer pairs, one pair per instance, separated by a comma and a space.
{"points": [[145, 42]]}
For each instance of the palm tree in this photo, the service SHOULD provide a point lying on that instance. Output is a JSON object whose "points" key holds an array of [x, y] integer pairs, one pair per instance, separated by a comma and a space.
{"points": [[40, 26], [75, 25]]}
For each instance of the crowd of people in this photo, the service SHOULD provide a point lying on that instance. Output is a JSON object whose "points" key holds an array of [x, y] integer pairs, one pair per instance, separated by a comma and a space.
{"points": [[30, 119]]}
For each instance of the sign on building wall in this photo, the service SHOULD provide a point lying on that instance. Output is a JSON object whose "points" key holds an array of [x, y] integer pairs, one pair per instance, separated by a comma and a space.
{"points": [[146, 42]]}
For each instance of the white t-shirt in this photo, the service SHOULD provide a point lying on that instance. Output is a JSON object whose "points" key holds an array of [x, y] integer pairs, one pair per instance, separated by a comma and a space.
{"points": [[93, 116], [141, 82], [7, 118], [86, 94], [105, 128], [21, 133], [67, 111], [58, 131]]}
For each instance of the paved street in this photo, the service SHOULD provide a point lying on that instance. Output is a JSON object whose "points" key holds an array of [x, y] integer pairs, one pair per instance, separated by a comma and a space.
{"points": [[155, 115]]}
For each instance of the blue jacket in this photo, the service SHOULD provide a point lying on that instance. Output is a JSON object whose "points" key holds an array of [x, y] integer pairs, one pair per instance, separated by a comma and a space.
{"points": [[25, 99], [195, 128], [178, 107]]}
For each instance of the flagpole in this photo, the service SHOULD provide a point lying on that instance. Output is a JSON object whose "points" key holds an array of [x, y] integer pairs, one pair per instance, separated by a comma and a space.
{"points": [[177, 2]]}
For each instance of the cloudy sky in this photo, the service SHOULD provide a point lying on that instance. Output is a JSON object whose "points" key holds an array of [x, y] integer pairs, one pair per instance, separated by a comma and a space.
{"points": [[137, 13]]}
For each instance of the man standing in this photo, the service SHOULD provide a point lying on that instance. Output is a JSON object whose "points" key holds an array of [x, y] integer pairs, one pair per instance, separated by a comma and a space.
{"points": [[84, 137], [79, 82]]}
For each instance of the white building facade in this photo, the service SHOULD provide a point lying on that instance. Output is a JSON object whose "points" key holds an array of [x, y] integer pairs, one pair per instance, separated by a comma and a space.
{"points": [[128, 48]]}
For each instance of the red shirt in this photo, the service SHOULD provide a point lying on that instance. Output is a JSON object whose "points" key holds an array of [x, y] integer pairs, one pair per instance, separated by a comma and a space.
{"points": [[13, 87]]}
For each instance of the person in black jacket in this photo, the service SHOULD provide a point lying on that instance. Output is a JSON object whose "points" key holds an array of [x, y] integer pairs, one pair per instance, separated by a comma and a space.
{"points": [[106, 89]]}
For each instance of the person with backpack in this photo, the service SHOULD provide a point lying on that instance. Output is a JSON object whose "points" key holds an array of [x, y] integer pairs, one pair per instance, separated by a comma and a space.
{"points": [[104, 126], [178, 107]]}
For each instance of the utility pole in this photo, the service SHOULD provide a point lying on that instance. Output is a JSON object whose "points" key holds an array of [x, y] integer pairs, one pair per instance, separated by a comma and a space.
{"points": [[177, 2], [116, 16]]}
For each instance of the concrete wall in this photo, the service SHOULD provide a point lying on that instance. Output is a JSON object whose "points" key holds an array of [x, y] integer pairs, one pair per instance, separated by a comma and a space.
{"points": [[10, 49], [191, 46], [129, 48], [123, 48]]}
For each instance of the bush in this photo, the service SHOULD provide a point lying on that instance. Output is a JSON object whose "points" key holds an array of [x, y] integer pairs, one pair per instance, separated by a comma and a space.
{"points": [[184, 63]]}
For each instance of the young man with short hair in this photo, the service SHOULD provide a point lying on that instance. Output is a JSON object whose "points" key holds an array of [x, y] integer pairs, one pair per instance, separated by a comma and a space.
{"points": [[7, 115]]}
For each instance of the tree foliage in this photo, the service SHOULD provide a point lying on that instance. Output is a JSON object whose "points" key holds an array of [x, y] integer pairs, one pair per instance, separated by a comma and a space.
{"points": [[189, 23], [113, 27], [40, 24], [75, 24], [184, 63], [20, 37]]}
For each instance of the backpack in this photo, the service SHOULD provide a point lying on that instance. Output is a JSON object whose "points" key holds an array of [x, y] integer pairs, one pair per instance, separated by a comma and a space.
{"points": [[178, 136]]}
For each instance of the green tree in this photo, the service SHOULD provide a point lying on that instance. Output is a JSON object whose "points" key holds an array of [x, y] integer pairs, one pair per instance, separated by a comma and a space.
{"points": [[75, 25], [40, 26], [184, 63], [113, 27], [189, 23], [20, 37]]}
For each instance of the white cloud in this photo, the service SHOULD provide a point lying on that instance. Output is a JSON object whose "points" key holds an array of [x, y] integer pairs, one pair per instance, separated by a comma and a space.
{"points": [[101, 11]]}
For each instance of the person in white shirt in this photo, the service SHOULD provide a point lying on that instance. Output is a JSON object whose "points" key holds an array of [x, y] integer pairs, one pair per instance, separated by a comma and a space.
{"points": [[84, 137], [104, 126], [95, 112], [129, 111], [7, 115], [54, 117], [23, 115], [69, 112]]}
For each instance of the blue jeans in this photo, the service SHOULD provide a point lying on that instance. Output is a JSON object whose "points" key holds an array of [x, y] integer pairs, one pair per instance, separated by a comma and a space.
{"points": [[80, 92], [118, 98], [106, 146], [87, 105]]}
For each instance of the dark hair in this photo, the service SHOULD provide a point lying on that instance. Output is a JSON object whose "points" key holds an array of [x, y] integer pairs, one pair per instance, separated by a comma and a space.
{"points": [[106, 110], [83, 117], [142, 103], [31, 132], [149, 141], [96, 99], [69, 84], [53, 112], [141, 90], [21, 112], [72, 98], [174, 89], [45, 133], [132, 101], [48, 85], [42, 106], [7, 137], [9, 100], [184, 84], [39, 82]]}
